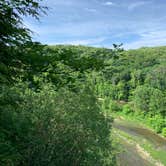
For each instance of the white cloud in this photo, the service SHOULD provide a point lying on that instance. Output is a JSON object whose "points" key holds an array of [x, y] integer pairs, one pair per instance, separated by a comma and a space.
{"points": [[71, 24], [83, 29], [134, 5], [92, 41], [92, 10], [152, 38], [52, 3], [87, 41], [108, 3]]}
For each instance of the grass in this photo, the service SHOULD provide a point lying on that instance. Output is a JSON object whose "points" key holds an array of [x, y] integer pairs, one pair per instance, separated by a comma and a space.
{"points": [[136, 120], [159, 155]]}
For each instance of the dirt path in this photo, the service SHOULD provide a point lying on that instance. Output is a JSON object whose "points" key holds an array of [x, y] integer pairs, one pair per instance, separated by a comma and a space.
{"points": [[130, 156], [133, 154]]}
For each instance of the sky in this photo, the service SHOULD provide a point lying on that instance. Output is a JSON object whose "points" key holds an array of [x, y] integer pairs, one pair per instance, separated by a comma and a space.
{"points": [[100, 23]]}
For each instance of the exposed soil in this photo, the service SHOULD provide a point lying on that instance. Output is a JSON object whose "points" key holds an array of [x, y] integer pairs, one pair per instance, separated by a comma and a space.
{"points": [[133, 154]]}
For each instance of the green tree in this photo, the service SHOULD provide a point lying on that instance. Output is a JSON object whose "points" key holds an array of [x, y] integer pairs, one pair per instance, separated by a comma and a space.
{"points": [[157, 77], [12, 31], [53, 128], [13, 34], [149, 100]]}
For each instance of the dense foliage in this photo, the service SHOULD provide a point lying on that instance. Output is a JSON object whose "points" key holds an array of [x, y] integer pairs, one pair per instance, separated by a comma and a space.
{"points": [[58, 113], [55, 101], [135, 83], [51, 127], [49, 112]]}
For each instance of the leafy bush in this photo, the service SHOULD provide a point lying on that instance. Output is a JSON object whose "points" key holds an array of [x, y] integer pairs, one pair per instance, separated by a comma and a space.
{"points": [[149, 100], [164, 131], [157, 122], [53, 128], [127, 109], [141, 98], [115, 107]]}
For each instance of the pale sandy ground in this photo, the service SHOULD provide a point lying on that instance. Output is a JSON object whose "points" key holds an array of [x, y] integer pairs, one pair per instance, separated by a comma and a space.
{"points": [[133, 154]]}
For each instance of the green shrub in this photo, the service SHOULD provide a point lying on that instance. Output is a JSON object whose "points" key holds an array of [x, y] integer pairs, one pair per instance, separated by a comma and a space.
{"points": [[157, 122], [106, 103], [115, 107], [53, 128], [127, 109], [164, 131]]}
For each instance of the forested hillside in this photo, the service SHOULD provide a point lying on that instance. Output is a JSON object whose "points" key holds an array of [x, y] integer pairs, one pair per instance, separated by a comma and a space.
{"points": [[57, 102], [135, 84], [54, 98], [50, 113]]}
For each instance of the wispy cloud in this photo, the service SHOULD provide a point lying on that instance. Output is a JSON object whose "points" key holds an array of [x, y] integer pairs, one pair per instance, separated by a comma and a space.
{"points": [[87, 29], [152, 38], [92, 41], [136, 23], [134, 5], [92, 10], [108, 3]]}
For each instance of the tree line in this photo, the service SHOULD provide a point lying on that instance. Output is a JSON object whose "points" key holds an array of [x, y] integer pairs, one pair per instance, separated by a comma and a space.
{"points": [[56, 101]]}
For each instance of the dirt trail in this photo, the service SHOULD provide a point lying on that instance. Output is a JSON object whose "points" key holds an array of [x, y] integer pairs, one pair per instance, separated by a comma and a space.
{"points": [[133, 154], [131, 157], [156, 140]]}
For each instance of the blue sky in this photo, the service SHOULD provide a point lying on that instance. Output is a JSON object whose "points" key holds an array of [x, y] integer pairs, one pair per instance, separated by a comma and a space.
{"points": [[100, 23]]}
